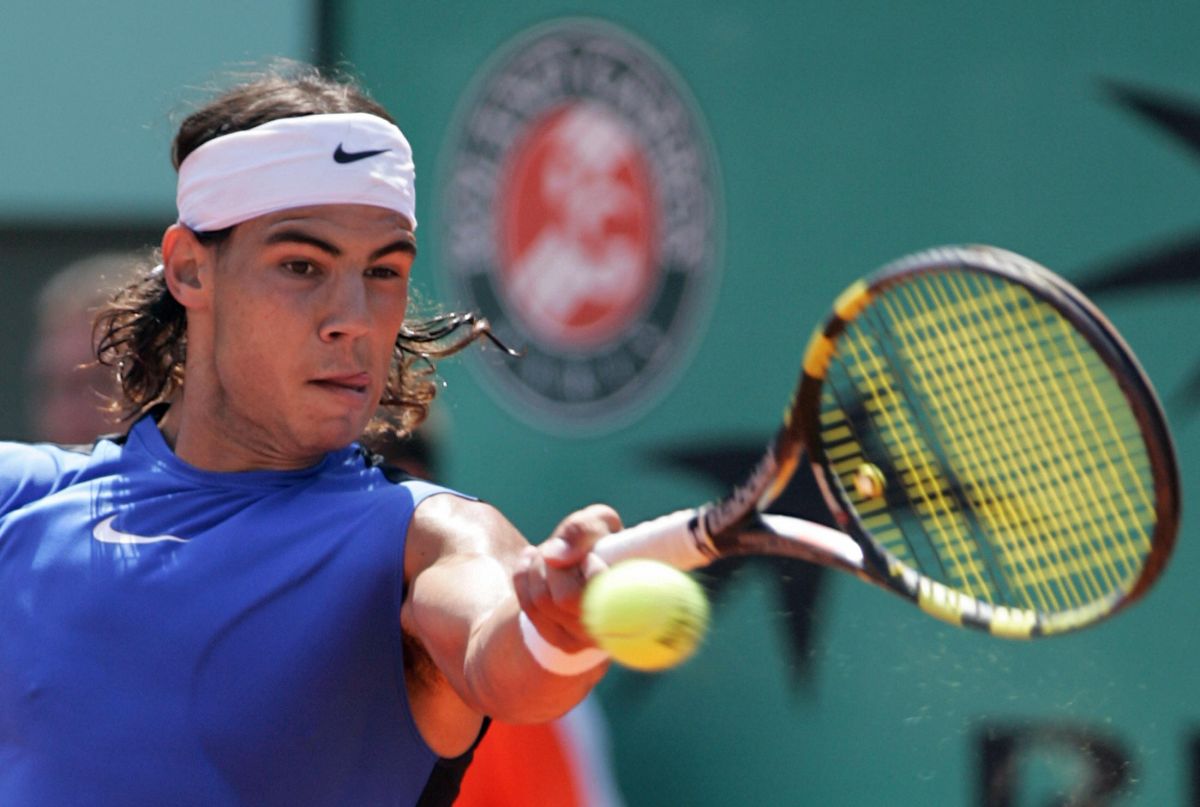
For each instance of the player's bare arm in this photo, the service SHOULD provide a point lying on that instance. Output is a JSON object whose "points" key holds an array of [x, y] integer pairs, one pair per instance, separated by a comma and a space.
{"points": [[470, 575]]}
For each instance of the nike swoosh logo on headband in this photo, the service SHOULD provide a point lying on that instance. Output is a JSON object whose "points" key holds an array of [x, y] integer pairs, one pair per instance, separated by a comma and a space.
{"points": [[340, 155], [105, 533]]}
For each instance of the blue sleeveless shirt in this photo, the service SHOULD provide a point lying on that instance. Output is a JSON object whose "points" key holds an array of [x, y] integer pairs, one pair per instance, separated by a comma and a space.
{"points": [[171, 636]]}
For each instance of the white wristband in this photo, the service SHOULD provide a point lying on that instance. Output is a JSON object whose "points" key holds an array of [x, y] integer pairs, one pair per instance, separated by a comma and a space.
{"points": [[554, 659]]}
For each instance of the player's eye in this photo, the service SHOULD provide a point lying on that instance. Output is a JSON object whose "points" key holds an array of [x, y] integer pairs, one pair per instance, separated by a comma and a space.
{"points": [[299, 268], [382, 272]]}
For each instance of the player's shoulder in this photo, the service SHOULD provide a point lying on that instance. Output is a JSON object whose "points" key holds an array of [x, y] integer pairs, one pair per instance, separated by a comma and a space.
{"points": [[455, 525], [32, 470], [42, 460], [415, 487], [441, 517]]}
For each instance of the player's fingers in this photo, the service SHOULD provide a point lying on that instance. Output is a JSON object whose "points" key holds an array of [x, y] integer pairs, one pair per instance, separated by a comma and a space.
{"points": [[593, 564], [550, 598], [527, 583], [566, 588], [529, 580], [547, 590], [575, 536]]}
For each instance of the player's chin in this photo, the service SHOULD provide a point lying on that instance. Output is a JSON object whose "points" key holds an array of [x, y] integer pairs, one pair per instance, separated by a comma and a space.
{"points": [[333, 424], [322, 435]]}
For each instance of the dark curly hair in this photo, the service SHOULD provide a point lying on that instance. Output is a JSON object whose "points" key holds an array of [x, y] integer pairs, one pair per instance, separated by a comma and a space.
{"points": [[142, 333]]}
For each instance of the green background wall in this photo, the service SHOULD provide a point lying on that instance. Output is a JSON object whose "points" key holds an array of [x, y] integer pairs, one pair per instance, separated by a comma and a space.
{"points": [[847, 135], [91, 95]]}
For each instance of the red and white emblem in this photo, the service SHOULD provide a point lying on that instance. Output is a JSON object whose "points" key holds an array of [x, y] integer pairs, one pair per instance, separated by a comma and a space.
{"points": [[581, 219], [577, 228]]}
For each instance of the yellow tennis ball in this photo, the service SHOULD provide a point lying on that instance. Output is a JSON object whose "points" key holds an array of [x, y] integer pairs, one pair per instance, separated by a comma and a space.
{"points": [[646, 614]]}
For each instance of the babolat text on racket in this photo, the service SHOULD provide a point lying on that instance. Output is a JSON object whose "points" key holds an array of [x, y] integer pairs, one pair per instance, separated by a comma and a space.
{"points": [[985, 440]]}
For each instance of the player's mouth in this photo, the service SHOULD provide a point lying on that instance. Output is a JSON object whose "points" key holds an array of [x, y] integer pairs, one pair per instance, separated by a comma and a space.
{"points": [[352, 386]]}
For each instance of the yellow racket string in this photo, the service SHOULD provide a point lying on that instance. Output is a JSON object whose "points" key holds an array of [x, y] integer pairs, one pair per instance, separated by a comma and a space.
{"points": [[1017, 517], [1016, 469], [913, 460], [1079, 415], [962, 414], [1047, 411]]}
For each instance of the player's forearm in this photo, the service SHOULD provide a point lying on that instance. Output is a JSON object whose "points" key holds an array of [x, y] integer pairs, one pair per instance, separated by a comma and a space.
{"points": [[510, 680], [467, 616]]}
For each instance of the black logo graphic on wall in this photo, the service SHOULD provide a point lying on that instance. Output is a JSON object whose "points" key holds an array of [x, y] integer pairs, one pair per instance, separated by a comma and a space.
{"points": [[1174, 264], [582, 219]]}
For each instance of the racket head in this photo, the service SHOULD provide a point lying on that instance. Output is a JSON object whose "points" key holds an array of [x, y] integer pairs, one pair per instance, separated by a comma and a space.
{"points": [[991, 442]]}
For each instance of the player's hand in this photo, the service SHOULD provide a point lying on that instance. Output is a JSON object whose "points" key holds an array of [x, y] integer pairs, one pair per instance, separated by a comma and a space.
{"points": [[550, 577]]}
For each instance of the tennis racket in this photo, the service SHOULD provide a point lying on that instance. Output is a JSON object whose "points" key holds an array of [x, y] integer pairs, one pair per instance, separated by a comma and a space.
{"points": [[985, 440]]}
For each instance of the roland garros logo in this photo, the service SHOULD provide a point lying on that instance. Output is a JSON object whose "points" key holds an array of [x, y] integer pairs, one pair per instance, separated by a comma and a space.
{"points": [[581, 218]]}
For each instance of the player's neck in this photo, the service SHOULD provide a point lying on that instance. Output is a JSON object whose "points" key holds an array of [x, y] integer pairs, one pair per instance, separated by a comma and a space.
{"points": [[203, 439]]}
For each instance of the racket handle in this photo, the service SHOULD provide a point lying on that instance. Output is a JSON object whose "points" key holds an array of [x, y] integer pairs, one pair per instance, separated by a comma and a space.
{"points": [[675, 539]]}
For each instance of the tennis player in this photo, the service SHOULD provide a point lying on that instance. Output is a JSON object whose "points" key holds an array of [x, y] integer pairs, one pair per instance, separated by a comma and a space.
{"points": [[233, 603]]}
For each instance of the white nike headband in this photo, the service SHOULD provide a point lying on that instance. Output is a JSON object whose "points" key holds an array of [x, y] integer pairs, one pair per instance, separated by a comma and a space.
{"points": [[341, 158]]}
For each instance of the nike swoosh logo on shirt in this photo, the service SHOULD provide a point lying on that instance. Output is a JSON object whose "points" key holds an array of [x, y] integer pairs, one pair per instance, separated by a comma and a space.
{"points": [[105, 533], [343, 156]]}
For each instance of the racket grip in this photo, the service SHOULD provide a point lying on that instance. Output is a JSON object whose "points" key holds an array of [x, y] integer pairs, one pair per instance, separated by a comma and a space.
{"points": [[674, 539]]}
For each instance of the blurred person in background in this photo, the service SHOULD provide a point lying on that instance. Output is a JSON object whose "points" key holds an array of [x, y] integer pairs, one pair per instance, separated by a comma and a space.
{"points": [[69, 391]]}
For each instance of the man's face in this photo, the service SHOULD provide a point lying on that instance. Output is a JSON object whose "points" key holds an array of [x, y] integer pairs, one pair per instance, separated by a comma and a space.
{"points": [[69, 388], [306, 307]]}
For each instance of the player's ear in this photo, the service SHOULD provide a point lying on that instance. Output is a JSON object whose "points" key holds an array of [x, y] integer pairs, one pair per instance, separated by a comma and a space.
{"points": [[186, 266]]}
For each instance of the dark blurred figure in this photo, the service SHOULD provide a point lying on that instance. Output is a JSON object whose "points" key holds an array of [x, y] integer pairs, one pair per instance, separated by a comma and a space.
{"points": [[68, 390], [415, 453]]}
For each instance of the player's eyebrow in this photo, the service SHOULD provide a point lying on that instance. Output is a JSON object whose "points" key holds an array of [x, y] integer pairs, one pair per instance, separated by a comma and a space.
{"points": [[406, 243], [299, 237]]}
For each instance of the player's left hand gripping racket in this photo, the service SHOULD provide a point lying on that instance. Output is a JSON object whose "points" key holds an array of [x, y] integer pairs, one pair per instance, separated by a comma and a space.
{"points": [[985, 440]]}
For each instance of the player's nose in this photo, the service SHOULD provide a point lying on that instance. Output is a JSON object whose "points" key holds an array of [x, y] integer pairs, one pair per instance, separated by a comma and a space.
{"points": [[346, 312]]}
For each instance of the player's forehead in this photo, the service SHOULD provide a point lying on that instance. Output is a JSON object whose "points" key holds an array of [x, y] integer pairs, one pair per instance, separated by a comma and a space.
{"points": [[344, 224]]}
